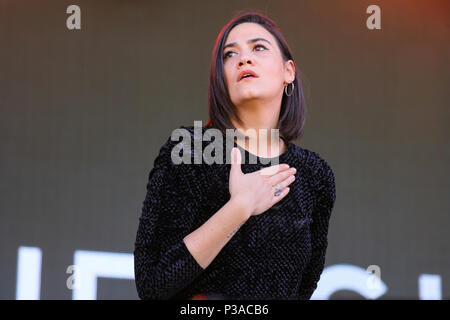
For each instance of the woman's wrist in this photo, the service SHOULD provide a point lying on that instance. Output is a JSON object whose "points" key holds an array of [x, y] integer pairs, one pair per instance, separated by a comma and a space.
{"points": [[241, 208]]}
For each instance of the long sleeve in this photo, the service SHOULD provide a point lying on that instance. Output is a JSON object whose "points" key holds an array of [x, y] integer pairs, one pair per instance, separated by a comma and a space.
{"points": [[324, 184], [163, 265]]}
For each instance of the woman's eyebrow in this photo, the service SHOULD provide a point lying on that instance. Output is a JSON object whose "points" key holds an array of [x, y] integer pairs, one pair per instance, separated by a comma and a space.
{"points": [[232, 44]]}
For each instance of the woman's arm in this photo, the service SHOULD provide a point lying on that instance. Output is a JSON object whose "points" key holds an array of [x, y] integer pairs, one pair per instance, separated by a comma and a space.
{"points": [[326, 196], [246, 200], [207, 241], [162, 264]]}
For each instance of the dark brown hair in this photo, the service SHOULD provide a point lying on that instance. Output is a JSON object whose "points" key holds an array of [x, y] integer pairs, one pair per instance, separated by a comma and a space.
{"points": [[220, 107]]}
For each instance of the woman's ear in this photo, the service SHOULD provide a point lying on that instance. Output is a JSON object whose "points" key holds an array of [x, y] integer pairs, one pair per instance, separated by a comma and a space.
{"points": [[289, 71]]}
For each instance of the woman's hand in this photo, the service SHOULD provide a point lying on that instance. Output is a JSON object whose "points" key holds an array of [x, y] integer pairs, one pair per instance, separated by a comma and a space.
{"points": [[255, 190]]}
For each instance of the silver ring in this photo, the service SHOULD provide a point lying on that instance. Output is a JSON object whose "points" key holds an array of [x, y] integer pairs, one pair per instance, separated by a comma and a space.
{"points": [[292, 91], [277, 190]]}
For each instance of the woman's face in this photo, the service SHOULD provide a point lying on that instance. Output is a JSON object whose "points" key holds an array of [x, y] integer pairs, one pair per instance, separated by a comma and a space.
{"points": [[263, 57]]}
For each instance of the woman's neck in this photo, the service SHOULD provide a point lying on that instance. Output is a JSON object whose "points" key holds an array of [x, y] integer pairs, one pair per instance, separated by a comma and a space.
{"points": [[255, 146], [252, 121]]}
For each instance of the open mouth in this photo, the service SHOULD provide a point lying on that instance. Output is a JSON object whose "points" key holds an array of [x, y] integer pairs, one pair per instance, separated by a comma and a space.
{"points": [[247, 74], [248, 77]]}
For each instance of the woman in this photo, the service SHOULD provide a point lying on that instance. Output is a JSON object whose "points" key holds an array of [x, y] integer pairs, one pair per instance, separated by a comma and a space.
{"points": [[226, 230]]}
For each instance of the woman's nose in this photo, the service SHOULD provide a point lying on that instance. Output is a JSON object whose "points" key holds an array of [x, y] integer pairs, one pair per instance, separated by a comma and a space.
{"points": [[245, 60]]}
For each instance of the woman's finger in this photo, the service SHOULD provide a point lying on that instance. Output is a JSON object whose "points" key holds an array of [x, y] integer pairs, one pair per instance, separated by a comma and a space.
{"points": [[286, 182], [283, 194], [270, 171], [281, 176]]}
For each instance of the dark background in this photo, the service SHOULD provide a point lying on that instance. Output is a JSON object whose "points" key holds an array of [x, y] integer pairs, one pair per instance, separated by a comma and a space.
{"points": [[84, 113]]}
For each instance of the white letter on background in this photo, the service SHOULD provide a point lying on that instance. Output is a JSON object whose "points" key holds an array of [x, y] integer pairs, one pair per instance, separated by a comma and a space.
{"points": [[93, 264], [29, 261]]}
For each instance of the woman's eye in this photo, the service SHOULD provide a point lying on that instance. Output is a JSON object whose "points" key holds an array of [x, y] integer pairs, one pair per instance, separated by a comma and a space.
{"points": [[259, 45], [226, 55]]}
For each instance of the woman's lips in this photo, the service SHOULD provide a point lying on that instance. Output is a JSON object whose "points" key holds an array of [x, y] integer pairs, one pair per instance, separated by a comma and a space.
{"points": [[246, 72], [248, 78]]}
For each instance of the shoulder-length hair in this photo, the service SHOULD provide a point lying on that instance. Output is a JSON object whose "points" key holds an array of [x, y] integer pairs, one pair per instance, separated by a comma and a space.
{"points": [[220, 107]]}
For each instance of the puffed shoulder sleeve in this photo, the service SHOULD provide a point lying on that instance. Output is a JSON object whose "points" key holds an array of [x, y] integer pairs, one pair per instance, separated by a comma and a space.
{"points": [[325, 190], [162, 263]]}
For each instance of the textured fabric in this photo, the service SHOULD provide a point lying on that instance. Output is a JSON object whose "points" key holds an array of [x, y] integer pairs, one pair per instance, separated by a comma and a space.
{"points": [[279, 254]]}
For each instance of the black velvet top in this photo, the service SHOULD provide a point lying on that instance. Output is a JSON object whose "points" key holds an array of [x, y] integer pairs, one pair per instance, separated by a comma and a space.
{"points": [[279, 254]]}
